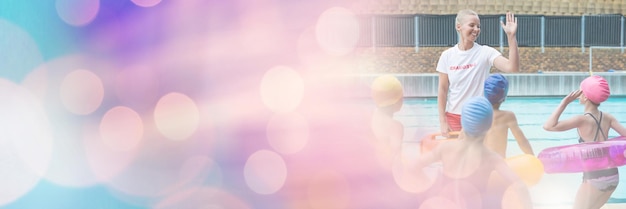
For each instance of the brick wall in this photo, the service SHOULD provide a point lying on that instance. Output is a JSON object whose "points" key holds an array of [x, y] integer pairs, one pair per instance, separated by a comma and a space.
{"points": [[529, 7], [563, 59]]}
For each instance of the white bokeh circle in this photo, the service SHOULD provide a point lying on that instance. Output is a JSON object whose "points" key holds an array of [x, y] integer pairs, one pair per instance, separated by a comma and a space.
{"points": [[282, 89]]}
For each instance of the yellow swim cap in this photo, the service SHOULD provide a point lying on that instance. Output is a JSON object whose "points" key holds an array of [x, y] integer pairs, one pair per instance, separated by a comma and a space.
{"points": [[386, 90]]}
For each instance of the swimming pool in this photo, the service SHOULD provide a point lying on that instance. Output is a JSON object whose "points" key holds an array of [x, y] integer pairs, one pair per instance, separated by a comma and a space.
{"points": [[419, 116]]}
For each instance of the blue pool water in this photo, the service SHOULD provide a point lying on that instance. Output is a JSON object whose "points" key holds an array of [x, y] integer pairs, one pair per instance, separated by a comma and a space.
{"points": [[419, 116]]}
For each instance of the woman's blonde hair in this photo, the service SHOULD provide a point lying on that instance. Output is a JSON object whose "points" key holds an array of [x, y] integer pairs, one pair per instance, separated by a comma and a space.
{"points": [[463, 13]]}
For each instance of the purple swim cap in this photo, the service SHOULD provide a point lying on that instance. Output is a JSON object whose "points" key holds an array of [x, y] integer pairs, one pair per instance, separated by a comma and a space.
{"points": [[496, 88], [476, 116], [596, 89]]}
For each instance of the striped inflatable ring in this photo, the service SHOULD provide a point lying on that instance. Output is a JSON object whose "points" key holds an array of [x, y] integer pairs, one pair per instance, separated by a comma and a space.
{"points": [[584, 157]]}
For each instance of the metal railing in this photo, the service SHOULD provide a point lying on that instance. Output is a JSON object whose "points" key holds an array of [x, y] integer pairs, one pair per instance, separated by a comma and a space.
{"points": [[533, 31]]}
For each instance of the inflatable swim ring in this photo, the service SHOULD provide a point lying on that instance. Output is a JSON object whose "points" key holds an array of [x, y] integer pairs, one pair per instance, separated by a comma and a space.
{"points": [[432, 140], [584, 157]]}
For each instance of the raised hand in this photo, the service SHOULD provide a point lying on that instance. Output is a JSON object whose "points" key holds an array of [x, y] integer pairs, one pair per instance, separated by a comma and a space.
{"points": [[571, 97], [510, 28]]}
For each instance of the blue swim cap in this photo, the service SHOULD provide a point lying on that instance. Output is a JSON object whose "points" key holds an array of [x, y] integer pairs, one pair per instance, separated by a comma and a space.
{"points": [[496, 88], [476, 116]]}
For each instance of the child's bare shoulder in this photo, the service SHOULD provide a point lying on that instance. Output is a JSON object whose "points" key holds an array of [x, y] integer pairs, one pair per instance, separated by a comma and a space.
{"points": [[505, 113], [492, 156], [608, 115], [397, 125]]}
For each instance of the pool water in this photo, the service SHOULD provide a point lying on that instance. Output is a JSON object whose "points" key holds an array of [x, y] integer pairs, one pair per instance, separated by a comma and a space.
{"points": [[420, 117]]}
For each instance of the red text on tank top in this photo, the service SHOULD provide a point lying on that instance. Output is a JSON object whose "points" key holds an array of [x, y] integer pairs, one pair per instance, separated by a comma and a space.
{"points": [[462, 67]]}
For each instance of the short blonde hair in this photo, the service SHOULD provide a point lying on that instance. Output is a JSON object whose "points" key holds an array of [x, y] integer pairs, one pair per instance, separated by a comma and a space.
{"points": [[463, 13]]}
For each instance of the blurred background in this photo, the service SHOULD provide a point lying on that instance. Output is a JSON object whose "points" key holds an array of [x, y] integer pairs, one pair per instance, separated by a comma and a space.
{"points": [[222, 104], [185, 104]]}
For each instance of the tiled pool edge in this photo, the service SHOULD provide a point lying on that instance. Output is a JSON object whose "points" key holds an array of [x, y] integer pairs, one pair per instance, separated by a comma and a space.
{"points": [[523, 85]]}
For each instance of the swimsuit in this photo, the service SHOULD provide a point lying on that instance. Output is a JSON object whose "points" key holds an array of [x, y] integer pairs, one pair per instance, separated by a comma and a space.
{"points": [[465, 190], [606, 179], [603, 180], [599, 130]]}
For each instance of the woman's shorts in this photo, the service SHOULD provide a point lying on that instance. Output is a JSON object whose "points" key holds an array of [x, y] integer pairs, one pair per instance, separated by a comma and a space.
{"points": [[454, 121]]}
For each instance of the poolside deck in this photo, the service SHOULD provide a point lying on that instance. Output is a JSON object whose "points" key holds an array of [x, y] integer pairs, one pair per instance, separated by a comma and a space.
{"points": [[606, 206]]}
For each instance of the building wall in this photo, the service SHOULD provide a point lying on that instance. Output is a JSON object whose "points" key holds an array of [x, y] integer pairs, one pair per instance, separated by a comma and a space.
{"points": [[532, 59], [531, 7]]}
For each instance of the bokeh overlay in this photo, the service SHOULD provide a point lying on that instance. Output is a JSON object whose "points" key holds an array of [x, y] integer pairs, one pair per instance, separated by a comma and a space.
{"points": [[187, 104]]}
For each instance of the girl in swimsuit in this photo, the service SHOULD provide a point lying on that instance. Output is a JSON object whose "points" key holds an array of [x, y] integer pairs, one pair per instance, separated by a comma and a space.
{"points": [[593, 125]]}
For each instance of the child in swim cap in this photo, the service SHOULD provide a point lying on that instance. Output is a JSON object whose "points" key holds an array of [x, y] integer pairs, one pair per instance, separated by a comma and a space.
{"points": [[496, 89], [388, 95], [476, 117], [386, 91], [595, 89], [592, 126], [468, 164]]}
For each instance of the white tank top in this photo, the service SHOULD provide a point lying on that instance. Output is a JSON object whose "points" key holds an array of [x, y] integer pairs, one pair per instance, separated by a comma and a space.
{"points": [[467, 71]]}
